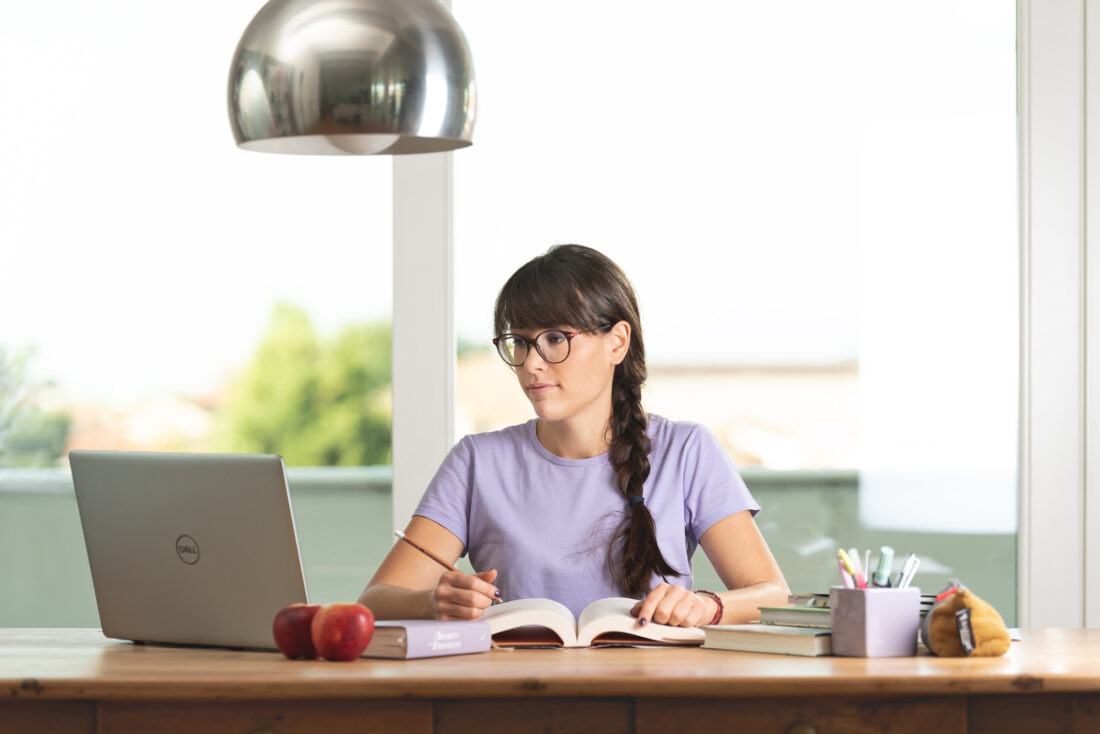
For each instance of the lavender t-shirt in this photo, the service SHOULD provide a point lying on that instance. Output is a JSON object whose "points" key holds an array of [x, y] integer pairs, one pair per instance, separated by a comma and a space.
{"points": [[545, 522]]}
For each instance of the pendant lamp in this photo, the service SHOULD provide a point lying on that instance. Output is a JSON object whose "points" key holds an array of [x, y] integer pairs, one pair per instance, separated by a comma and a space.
{"points": [[352, 77]]}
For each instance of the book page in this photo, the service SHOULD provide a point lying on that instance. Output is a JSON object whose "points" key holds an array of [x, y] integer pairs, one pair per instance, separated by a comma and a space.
{"points": [[608, 621], [532, 623]]}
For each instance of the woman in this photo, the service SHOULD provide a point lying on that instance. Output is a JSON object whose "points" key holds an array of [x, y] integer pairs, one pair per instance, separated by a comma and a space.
{"points": [[593, 497]]}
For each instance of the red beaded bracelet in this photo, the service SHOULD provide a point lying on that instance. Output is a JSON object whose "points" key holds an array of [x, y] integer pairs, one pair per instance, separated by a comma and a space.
{"points": [[718, 601]]}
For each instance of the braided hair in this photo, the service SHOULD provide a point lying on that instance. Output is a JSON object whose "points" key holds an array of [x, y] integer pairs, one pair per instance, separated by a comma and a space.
{"points": [[581, 287]]}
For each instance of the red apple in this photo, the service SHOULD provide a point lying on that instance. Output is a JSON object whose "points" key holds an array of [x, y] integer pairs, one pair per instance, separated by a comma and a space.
{"points": [[341, 631], [292, 631]]}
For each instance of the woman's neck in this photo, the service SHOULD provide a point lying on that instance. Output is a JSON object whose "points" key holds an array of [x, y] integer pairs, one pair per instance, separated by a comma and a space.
{"points": [[571, 441]]}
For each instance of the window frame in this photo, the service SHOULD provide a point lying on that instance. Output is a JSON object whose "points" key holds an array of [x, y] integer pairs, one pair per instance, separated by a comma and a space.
{"points": [[1057, 585]]}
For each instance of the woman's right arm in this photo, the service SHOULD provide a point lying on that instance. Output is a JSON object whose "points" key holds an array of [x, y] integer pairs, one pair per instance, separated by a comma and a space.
{"points": [[410, 585]]}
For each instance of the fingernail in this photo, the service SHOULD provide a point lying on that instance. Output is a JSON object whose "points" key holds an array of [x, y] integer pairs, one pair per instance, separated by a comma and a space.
{"points": [[642, 621], [496, 593]]}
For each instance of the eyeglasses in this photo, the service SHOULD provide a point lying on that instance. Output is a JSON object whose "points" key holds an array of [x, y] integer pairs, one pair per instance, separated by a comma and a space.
{"points": [[552, 345]]}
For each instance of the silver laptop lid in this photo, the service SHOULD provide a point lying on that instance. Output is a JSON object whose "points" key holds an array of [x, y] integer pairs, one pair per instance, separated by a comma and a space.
{"points": [[196, 549]]}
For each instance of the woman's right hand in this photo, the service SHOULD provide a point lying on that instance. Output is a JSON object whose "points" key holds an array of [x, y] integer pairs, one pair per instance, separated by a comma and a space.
{"points": [[460, 595]]}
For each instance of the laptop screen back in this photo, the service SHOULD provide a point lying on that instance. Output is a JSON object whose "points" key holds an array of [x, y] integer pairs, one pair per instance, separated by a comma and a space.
{"points": [[196, 549]]}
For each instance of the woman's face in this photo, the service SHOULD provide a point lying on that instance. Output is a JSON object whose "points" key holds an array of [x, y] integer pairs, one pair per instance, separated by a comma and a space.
{"points": [[579, 387]]}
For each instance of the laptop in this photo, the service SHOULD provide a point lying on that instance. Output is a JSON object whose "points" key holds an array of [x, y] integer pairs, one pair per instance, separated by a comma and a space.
{"points": [[189, 549]]}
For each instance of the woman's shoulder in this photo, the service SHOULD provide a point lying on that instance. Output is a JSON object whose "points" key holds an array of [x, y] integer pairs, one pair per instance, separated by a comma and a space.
{"points": [[666, 427], [501, 438], [673, 434]]}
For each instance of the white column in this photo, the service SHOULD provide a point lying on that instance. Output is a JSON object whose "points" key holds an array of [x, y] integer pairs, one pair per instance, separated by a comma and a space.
{"points": [[1052, 447], [1092, 317], [423, 325]]}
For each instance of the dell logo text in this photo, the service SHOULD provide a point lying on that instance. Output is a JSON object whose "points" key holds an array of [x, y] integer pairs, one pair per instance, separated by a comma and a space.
{"points": [[187, 550]]}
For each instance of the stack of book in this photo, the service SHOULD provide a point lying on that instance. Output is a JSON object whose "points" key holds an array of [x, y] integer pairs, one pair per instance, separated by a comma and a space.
{"points": [[801, 628], [797, 615]]}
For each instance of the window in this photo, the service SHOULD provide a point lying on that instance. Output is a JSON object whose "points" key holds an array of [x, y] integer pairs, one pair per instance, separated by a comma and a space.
{"points": [[817, 205], [161, 289], [151, 263]]}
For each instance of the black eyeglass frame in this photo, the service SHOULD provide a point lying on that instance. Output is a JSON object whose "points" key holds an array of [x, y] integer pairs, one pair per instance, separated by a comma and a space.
{"points": [[528, 343]]}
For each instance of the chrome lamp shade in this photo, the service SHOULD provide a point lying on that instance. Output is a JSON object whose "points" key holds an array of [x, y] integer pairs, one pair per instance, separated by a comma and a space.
{"points": [[352, 77]]}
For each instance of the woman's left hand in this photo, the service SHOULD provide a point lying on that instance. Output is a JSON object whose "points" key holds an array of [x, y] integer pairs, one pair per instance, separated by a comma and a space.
{"points": [[676, 606]]}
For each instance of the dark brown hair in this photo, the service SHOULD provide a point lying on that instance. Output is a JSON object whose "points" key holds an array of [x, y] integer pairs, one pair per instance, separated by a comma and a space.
{"points": [[576, 286]]}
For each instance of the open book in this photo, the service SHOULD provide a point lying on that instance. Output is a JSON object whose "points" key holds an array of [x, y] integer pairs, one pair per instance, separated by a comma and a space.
{"points": [[547, 623]]}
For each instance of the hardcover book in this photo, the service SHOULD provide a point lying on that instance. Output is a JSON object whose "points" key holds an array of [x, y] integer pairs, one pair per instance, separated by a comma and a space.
{"points": [[547, 623], [427, 638], [770, 638], [808, 599], [796, 616]]}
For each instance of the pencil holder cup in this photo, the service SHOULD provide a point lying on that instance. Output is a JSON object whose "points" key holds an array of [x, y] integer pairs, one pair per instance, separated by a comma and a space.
{"points": [[875, 623]]}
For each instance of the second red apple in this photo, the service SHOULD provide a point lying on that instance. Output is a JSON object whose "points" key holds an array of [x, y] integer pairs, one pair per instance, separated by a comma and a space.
{"points": [[341, 631]]}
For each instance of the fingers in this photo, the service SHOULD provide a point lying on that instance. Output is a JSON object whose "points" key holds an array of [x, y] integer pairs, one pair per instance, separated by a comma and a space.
{"points": [[459, 595], [489, 577], [671, 605]]}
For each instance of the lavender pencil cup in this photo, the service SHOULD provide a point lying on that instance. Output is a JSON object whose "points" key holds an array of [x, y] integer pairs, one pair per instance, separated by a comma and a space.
{"points": [[875, 622]]}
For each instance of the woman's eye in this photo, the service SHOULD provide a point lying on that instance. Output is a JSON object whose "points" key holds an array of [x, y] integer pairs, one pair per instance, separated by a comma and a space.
{"points": [[553, 338]]}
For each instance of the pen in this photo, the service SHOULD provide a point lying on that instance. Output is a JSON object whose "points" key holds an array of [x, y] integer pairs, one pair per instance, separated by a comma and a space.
{"points": [[901, 572], [850, 568], [882, 571], [908, 570], [907, 578], [433, 556], [425, 551]]}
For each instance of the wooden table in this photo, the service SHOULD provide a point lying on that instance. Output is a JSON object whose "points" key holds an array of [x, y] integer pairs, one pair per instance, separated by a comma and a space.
{"points": [[79, 681]]}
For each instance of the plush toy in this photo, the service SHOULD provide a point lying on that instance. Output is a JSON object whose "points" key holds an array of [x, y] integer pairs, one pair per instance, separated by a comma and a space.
{"points": [[961, 624]]}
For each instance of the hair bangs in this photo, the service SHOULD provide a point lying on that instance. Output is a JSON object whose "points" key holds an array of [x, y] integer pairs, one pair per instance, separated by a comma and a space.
{"points": [[540, 295]]}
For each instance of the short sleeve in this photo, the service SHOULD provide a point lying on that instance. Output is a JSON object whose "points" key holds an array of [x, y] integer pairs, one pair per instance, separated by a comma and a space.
{"points": [[713, 489], [448, 496]]}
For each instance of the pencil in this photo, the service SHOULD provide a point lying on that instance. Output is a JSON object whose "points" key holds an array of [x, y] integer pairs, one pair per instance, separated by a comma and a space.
{"points": [[434, 557], [425, 551]]}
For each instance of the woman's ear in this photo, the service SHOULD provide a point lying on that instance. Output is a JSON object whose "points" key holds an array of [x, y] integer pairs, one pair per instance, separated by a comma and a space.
{"points": [[619, 341]]}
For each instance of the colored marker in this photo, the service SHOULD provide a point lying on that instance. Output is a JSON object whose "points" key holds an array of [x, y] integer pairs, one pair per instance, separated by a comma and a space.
{"points": [[851, 568], [882, 570]]}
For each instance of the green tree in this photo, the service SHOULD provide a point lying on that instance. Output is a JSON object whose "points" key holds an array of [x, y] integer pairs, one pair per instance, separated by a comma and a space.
{"points": [[29, 436], [316, 402]]}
